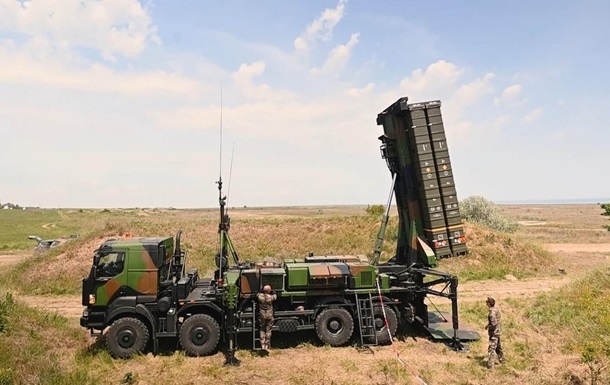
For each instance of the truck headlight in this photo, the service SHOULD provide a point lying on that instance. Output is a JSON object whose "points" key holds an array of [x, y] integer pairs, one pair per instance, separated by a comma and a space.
{"points": [[91, 299]]}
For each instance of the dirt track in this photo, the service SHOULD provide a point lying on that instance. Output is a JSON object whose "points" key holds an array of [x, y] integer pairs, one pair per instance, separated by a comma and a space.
{"points": [[66, 305], [578, 247], [9, 260]]}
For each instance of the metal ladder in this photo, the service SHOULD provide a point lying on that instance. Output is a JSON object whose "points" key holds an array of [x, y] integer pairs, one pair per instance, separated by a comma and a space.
{"points": [[366, 319], [256, 339]]}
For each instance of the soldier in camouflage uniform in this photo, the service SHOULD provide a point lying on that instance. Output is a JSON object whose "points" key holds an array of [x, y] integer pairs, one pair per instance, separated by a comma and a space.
{"points": [[265, 299], [494, 329]]}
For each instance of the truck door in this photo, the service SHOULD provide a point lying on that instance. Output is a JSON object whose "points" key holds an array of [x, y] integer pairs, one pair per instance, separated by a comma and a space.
{"points": [[143, 274], [110, 276]]}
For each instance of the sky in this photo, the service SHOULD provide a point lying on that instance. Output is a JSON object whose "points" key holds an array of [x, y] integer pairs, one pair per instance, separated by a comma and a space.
{"points": [[117, 103]]}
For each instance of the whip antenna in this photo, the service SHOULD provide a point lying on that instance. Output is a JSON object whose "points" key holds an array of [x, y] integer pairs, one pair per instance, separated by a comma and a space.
{"points": [[220, 161], [230, 173]]}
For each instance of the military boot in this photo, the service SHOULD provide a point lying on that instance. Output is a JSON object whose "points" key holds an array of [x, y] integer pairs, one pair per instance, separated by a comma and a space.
{"points": [[491, 360]]}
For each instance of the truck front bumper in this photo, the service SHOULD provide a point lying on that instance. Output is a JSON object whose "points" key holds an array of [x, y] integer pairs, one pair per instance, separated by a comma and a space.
{"points": [[92, 319]]}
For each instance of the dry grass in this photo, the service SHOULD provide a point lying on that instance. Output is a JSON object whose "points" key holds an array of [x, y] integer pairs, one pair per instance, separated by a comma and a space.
{"points": [[59, 271], [44, 348], [494, 254], [561, 223]]}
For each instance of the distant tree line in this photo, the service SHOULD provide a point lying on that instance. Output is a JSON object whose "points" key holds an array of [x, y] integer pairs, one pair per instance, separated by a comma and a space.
{"points": [[11, 206]]}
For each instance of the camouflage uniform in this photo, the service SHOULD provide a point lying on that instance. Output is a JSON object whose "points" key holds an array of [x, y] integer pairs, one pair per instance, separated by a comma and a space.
{"points": [[266, 318], [494, 329]]}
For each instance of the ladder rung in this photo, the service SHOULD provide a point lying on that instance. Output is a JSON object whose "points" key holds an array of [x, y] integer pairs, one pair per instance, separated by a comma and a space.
{"points": [[366, 319]]}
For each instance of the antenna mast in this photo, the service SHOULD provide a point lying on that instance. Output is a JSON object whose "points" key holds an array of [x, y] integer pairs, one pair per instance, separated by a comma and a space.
{"points": [[224, 224], [230, 174]]}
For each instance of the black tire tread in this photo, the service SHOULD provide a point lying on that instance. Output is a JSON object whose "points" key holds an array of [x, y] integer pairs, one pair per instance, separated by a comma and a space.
{"points": [[185, 342], [382, 335], [119, 352], [331, 340]]}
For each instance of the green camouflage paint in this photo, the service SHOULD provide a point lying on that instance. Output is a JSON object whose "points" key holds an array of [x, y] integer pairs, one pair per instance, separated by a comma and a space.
{"points": [[140, 274]]}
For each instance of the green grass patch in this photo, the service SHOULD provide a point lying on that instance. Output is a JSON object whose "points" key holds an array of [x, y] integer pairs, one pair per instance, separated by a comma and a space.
{"points": [[581, 310], [17, 225], [43, 273], [34, 345]]}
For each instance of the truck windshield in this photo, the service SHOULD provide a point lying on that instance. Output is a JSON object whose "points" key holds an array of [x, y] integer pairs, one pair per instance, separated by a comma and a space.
{"points": [[110, 264]]}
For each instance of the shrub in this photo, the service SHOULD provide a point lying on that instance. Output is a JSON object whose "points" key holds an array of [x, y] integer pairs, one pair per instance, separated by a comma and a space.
{"points": [[375, 210], [480, 210], [606, 208]]}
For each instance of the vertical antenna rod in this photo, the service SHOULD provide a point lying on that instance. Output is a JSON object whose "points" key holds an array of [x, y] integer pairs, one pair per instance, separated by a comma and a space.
{"points": [[220, 162], [230, 173]]}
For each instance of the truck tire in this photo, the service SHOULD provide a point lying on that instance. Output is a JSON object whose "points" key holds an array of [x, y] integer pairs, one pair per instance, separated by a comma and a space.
{"points": [[127, 337], [380, 326], [334, 326], [199, 335]]}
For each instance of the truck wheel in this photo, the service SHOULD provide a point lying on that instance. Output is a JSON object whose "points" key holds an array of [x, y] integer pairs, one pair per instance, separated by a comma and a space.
{"points": [[334, 326], [380, 327], [127, 337], [199, 335]]}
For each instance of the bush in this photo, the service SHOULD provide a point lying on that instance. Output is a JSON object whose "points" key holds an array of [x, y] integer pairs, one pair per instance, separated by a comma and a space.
{"points": [[606, 208], [375, 210], [480, 210]]}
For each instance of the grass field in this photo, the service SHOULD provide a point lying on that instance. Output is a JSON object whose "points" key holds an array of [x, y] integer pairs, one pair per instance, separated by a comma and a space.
{"points": [[556, 317]]}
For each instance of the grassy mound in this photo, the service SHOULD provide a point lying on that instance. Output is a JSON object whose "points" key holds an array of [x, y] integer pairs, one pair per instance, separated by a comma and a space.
{"points": [[581, 311], [60, 270], [495, 254]]}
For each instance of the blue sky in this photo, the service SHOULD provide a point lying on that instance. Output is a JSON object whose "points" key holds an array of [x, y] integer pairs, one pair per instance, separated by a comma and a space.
{"points": [[116, 103]]}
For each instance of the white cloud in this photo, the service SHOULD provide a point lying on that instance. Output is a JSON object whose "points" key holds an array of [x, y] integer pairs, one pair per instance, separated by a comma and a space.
{"points": [[110, 26], [475, 90], [512, 91], [533, 115], [57, 96], [338, 57], [445, 81], [321, 28], [439, 76], [509, 93], [36, 65], [360, 91], [340, 109], [499, 123], [243, 79]]}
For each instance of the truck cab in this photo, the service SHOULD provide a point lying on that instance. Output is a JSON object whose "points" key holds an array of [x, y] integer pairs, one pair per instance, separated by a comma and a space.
{"points": [[130, 284], [129, 267]]}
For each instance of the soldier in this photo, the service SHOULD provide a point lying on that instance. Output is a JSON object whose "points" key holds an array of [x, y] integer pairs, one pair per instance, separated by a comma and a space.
{"points": [[494, 329], [266, 298]]}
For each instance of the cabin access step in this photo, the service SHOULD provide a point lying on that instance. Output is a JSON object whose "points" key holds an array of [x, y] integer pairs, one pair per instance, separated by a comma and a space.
{"points": [[366, 319]]}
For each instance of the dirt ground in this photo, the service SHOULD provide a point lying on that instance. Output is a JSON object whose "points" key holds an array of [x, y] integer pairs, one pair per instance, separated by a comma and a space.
{"points": [[303, 362], [9, 260]]}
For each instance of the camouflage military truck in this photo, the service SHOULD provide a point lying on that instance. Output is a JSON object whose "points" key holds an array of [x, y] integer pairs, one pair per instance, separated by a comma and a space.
{"points": [[140, 291], [139, 288]]}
